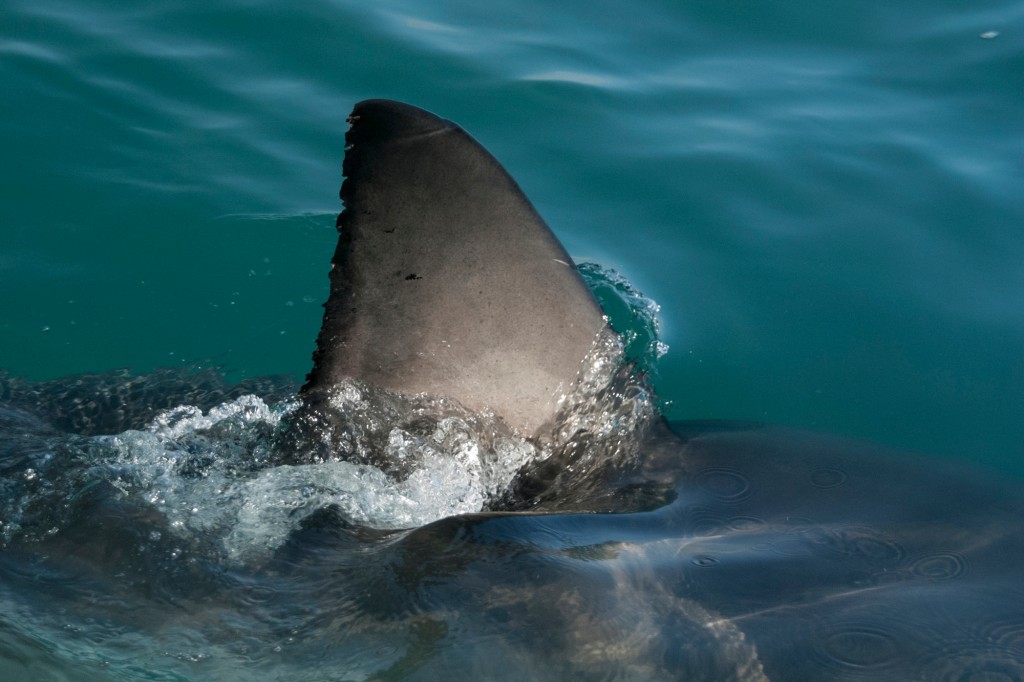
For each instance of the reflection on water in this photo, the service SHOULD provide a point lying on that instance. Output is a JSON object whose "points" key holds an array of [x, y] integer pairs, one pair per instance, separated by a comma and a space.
{"points": [[186, 549], [825, 202]]}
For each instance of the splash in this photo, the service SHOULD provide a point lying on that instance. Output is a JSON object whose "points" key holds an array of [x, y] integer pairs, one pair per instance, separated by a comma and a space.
{"points": [[215, 474], [630, 313], [233, 477]]}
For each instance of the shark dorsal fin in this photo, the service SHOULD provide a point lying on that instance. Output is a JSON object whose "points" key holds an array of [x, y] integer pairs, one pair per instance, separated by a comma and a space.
{"points": [[445, 279]]}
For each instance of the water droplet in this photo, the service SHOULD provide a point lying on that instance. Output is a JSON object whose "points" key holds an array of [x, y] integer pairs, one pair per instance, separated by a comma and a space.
{"points": [[989, 35]]}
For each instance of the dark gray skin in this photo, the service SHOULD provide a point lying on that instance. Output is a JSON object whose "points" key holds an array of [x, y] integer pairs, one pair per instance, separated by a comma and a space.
{"points": [[445, 280]]}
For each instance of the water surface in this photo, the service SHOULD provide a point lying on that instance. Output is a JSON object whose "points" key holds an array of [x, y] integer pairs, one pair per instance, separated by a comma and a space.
{"points": [[824, 200]]}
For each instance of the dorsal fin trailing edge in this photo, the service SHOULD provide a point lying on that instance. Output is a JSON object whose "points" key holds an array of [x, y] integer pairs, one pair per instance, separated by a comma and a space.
{"points": [[445, 279]]}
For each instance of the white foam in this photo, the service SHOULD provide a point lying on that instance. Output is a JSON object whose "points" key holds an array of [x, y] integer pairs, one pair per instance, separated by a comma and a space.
{"points": [[206, 473], [382, 460]]}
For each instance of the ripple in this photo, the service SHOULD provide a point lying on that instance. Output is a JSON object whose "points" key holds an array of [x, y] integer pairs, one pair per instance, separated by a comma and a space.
{"points": [[972, 667], [977, 646], [859, 646], [727, 485], [867, 544], [973, 634], [857, 636], [865, 640], [745, 523], [705, 561], [704, 521], [941, 567], [257, 594], [828, 477], [995, 635], [1007, 632]]}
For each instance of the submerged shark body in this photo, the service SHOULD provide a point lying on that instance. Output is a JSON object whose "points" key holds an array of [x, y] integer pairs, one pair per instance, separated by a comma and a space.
{"points": [[747, 552]]}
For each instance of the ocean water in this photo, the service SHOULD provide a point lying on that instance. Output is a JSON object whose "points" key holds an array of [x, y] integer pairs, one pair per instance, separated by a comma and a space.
{"points": [[825, 200]]}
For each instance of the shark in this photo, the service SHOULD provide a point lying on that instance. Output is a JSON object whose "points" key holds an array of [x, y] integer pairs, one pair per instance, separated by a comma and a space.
{"points": [[635, 548]]}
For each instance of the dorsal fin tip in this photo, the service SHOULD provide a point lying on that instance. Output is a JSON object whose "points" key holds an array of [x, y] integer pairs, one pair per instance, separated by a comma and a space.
{"points": [[446, 280], [384, 117]]}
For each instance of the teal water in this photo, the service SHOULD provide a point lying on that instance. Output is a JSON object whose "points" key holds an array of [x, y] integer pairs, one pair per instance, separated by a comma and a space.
{"points": [[825, 199]]}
